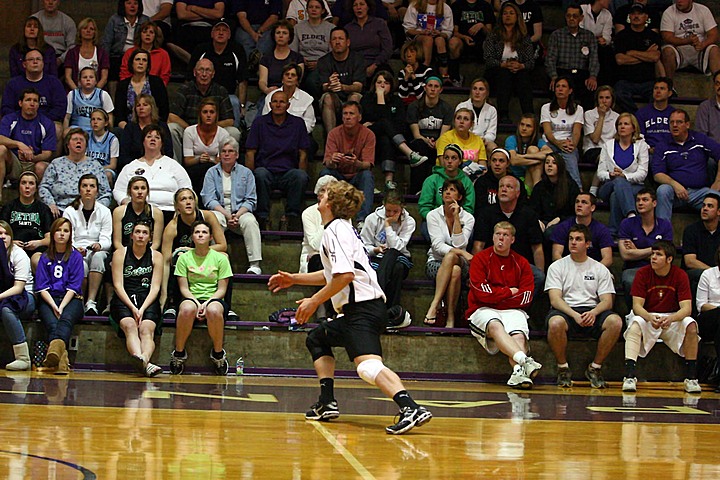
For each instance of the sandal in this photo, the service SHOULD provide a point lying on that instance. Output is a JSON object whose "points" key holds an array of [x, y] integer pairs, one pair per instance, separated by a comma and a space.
{"points": [[152, 370], [138, 363], [429, 320]]}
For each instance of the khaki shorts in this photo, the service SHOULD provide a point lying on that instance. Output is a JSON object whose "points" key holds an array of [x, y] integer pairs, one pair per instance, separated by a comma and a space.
{"points": [[17, 167]]}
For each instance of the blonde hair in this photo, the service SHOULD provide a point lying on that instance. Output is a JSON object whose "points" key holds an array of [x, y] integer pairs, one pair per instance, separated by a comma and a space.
{"points": [[636, 134], [504, 225], [8, 230], [344, 199], [84, 23]]}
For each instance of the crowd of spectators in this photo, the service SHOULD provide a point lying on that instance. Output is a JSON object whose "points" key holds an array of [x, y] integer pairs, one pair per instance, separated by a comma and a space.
{"points": [[87, 113]]}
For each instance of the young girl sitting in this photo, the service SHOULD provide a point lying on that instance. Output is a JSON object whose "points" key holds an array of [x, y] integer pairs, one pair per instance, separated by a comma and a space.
{"points": [[59, 284], [83, 100], [103, 145]]}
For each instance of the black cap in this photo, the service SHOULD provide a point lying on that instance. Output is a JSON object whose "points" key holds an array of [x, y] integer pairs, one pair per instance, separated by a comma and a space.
{"points": [[639, 7], [223, 21]]}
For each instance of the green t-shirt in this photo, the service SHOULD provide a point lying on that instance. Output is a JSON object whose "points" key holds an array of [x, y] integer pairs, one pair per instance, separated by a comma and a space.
{"points": [[203, 273]]}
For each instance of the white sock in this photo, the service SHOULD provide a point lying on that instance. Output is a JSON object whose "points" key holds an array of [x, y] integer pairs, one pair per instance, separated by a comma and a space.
{"points": [[563, 365], [519, 357], [595, 366], [594, 190]]}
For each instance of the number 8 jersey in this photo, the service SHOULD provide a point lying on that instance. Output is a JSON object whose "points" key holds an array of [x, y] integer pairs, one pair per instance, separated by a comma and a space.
{"points": [[58, 275]]}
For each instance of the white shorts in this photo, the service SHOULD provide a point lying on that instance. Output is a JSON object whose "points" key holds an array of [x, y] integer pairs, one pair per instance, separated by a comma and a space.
{"points": [[514, 321], [687, 56], [673, 336]]}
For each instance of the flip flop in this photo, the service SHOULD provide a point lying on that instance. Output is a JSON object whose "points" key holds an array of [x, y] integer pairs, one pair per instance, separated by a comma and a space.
{"points": [[152, 370], [429, 320]]}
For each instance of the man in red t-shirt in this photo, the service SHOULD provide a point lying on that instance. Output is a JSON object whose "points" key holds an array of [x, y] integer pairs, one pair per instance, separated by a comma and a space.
{"points": [[501, 284], [662, 304]]}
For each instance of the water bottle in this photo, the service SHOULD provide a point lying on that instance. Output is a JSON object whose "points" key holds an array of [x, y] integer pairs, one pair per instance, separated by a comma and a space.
{"points": [[240, 367]]}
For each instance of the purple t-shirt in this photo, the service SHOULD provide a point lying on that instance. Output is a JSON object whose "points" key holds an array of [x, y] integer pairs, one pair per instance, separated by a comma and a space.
{"points": [[631, 229], [59, 276], [38, 133], [686, 163], [53, 98], [277, 145], [601, 237], [654, 123]]}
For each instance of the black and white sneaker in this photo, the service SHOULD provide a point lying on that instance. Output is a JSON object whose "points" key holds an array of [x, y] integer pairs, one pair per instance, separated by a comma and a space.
{"points": [[323, 411], [220, 365], [170, 314], [409, 418], [177, 364], [232, 316], [398, 318]]}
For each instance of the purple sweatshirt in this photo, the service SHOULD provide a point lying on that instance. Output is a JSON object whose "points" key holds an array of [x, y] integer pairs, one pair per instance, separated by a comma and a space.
{"points": [[53, 98], [57, 277]]}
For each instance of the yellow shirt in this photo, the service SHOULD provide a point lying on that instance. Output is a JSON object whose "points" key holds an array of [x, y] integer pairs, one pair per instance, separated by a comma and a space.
{"points": [[473, 148]]}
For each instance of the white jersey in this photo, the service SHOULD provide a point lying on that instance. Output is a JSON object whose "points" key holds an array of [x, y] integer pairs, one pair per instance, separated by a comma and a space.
{"points": [[581, 284], [699, 20], [19, 264], [342, 251]]}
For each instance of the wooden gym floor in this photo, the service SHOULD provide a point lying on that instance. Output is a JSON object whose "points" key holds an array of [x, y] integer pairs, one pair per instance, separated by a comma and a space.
{"points": [[114, 426]]}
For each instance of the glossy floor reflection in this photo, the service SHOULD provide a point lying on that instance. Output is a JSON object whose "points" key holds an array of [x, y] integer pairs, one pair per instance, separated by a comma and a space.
{"points": [[112, 426]]}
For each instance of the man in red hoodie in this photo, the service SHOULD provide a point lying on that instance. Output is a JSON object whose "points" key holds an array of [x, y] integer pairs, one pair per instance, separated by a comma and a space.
{"points": [[501, 285]]}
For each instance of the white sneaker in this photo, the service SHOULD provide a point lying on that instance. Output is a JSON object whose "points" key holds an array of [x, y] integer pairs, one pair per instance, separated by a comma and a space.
{"points": [[518, 379], [531, 367], [692, 386], [254, 270], [629, 384], [91, 308]]}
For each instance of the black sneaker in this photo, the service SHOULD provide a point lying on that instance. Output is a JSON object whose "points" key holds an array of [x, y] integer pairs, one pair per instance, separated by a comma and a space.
{"points": [[177, 364], [323, 411], [409, 418], [170, 314], [398, 318], [595, 376], [232, 316], [220, 365]]}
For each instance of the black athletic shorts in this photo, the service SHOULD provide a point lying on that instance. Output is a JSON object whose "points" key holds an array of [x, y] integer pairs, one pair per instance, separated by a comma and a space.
{"points": [[359, 328], [118, 311]]}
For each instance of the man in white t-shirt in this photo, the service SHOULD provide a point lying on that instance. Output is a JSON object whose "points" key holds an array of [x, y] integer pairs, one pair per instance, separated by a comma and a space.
{"points": [[690, 34], [581, 295]]}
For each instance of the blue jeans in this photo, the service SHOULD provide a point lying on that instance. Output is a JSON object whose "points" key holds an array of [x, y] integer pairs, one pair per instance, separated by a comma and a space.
{"points": [[620, 194], [264, 45], [364, 181], [666, 200], [61, 327], [625, 89], [292, 183], [235, 102], [11, 321], [571, 164], [538, 280]]}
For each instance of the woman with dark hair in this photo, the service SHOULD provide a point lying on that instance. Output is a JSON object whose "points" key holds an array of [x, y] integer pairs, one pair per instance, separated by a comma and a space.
{"points": [[450, 227], [429, 117], [140, 82], [562, 122], [553, 198], [87, 53], [527, 150], [33, 37], [29, 218], [136, 210], [144, 113], [349, 281], [510, 57], [149, 37], [271, 66], [92, 235], [165, 176], [370, 36], [137, 271], [119, 35], [384, 114], [202, 141], [17, 301], [58, 282]]}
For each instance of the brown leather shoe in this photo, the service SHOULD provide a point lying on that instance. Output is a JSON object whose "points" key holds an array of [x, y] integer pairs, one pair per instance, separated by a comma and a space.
{"points": [[54, 352]]}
